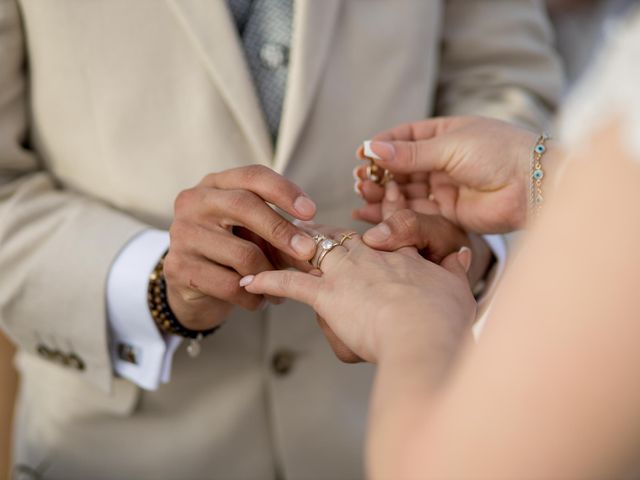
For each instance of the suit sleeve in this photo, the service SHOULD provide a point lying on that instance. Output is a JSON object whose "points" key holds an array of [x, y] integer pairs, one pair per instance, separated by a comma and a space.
{"points": [[56, 246], [498, 60]]}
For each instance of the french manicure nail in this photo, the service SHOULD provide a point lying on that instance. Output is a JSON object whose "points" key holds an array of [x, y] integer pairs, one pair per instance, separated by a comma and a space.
{"points": [[356, 177], [380, 151], [244, 281], [302, 244], [464, 257], [392, 192], [378, 233], [357, 187], [304, 206]]}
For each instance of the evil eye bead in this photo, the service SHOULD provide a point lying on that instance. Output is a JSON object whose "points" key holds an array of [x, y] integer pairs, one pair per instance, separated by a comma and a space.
{"points": [[538, 175], [540, 149]]}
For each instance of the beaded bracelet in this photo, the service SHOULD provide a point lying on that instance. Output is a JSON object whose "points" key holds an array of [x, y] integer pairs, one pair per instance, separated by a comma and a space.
{"points": [[537, 174], [164, 317]]}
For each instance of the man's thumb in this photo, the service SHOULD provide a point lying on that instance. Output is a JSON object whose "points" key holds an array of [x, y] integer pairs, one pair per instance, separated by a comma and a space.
{"points": [[458, 262]]}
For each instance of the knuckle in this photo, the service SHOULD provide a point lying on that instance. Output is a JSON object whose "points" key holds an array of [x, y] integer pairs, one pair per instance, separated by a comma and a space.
{"points": [[284, 282], [177, 232], [249, 255], [412, 157], [280, 229], [253, 173], [172, 266], [209, 179], [405, 222], [239, 200], [184, 200]]}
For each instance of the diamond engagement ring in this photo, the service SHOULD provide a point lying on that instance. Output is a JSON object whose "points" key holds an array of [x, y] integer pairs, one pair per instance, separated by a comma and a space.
{"points": [[325, 247]]}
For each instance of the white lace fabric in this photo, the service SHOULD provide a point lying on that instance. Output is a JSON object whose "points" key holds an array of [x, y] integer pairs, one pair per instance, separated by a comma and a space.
{"points": [[610, 89]]}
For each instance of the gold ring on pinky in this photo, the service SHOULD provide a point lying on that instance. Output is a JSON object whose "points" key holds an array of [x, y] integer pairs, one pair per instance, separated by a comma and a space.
{"points": [[346, 236], [326, 246]]}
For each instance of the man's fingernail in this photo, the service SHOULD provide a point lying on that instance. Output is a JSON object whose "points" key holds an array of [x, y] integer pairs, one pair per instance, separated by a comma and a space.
{"points": [[464, 257], [244, 281], [302, 245], [378, 233], [380, 151], [304, 206], [392, 192]]}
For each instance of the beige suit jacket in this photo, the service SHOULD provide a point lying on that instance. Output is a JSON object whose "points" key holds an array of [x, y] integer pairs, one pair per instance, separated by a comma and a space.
{"points": [[108, 108]]}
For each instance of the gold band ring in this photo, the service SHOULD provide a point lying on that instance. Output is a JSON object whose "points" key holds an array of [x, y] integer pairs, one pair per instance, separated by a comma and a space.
{"points": [[346, 236], [326, 246]]}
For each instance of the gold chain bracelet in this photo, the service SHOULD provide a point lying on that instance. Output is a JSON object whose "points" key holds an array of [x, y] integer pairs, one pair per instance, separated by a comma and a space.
{"points": [[537, 175]]}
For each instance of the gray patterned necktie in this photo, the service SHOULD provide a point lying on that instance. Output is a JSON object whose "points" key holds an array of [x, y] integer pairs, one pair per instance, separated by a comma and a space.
{"points": [[265, 27]]}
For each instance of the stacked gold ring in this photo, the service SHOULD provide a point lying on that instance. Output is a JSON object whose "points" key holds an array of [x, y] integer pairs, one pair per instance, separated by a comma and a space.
{"points": [[346, 236], [326, 245]]}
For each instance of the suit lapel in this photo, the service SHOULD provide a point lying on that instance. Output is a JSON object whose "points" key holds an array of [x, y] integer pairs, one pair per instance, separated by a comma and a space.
{"points": [[314, 23], [211, 30]]}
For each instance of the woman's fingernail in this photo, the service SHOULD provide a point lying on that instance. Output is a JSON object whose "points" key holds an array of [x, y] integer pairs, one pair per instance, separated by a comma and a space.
{"points": [[464, 257], [392, 192], [356, 177], [380, 151], [244, 281], [263, 304], [357, 187], [303, 245], [304, 206], [378, 234]]}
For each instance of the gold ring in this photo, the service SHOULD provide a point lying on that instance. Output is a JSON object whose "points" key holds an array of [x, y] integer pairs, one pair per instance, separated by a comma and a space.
{"points": [[326, 246], [346, 236], [377, 174]]}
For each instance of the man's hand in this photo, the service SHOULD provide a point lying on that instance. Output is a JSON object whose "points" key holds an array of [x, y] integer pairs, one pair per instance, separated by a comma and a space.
{"points": [[207, 259]]}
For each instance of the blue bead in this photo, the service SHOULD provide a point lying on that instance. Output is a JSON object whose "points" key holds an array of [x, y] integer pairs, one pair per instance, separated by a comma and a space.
{"points": [[541, 149], [538, 174]]}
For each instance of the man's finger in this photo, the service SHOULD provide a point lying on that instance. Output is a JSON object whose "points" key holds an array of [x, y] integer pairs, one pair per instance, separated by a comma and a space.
{"points": [[393, 200], [431, 234], [268, 185], [370, 213], [199, 276], [245, 209]]}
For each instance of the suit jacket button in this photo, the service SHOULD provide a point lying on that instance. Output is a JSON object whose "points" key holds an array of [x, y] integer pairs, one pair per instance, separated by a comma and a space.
{"points": [[282, 362]]}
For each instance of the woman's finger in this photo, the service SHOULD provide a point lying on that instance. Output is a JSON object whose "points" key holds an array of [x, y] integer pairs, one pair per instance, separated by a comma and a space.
{"points": [[393, 201], [302, 287], [371, 213]]}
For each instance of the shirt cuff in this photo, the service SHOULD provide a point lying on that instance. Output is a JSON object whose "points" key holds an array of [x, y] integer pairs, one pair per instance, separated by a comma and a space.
{"points": [[498, 246], [139, 351]]}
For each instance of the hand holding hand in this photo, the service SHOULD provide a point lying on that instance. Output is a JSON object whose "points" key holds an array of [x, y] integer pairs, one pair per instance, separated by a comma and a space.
{"points": [[371, 299], [207, 257]]}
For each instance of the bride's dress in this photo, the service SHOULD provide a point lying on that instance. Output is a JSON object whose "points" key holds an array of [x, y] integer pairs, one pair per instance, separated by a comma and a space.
{"points": [[611, 90]]}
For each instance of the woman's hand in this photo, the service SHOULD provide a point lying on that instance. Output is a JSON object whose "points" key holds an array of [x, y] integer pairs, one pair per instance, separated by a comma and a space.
{"points": [[472, 170], [372, 299]]}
